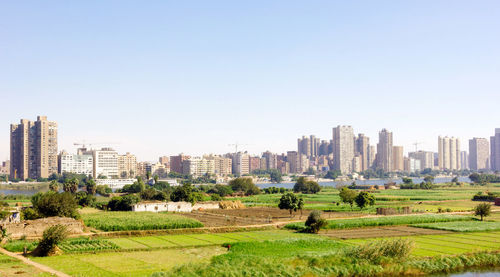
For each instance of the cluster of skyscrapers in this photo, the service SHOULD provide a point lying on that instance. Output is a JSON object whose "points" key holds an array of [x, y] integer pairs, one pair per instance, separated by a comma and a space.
{"points": [[34, 154]]}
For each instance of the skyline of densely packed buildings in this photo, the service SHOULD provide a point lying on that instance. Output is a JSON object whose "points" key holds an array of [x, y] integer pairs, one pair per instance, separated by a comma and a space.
{"points": [[34, 154]]}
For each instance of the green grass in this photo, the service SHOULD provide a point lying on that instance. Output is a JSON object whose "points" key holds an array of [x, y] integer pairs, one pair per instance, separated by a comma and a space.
{"points": [[449, 244], [18, 245], [469, 226], [383, 221], [125, 221], [136, 263], [13, 267]]}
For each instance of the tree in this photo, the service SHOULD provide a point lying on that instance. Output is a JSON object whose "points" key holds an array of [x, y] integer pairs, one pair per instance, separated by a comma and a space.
{"points": [[314, 222], [51, 237], [429, 179], [306, 186], [54, 186], [103, 190], [84, 199], [289, 201], [91, 187], [348, 195], [185, 193], [333, 174], [407, 181], [123, 203], [245, 185], [482, 210], [454, 180], [71, 185], [148, 175], [55, 204], [275, 176], [364, 199], [156, 178]]}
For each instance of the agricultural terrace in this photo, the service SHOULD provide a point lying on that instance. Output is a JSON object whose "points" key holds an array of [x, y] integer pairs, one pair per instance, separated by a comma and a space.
{"points": [[126, 221], [470, 226]]}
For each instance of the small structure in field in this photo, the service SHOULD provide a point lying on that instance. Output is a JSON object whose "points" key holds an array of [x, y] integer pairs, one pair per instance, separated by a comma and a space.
{"points": [[35, 228], [179, 207], [497, 201]]}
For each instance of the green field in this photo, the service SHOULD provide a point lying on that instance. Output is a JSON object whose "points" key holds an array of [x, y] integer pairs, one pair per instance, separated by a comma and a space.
{"points": [[13, 267], [383, 221], [469, 226], [125, 221], [449, 244], [86, 245]]}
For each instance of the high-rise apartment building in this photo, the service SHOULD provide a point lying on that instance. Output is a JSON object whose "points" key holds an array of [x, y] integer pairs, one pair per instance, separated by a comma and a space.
{"points": [[362, 146], [398, 163], [343, 149], [448, 153], [412, 165], [222, 165], [293, 160], [314, 142], [323, 148], [33, 149], [464, 160], [304, 146], [254, 163], [165, 160], [384, 151], [176, 162], [197, 166], [479, 154], [241, 163], [127, 165], [105, 163], [426, 158], [78, 164], [495, 150], [271, 160]]}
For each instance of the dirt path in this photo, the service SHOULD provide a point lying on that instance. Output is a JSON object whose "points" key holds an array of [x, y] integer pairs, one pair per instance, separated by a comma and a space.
{"points": [[34, 264]]}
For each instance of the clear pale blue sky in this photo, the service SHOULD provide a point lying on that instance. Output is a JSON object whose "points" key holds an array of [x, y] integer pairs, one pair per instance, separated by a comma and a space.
{"points": [[161, 77]]}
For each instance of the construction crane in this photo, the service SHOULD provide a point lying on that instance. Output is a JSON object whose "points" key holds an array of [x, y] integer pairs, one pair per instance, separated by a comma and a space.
{"points": [[236, 146], [416, 143], [84, 143]]}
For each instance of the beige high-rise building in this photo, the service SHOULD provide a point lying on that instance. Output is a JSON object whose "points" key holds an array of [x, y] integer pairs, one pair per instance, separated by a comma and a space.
{"points": [[241, 164], [449, 153], [479, 154], [363, 149], [127, 165], [33, 149], [222, 165], [293, 160], [495, 151], [398, 158], [343, 149], [426, 158], [384, 151]]}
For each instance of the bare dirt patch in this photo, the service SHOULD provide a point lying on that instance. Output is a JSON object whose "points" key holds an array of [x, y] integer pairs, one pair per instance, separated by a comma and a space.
{"points": [[389, 231]]}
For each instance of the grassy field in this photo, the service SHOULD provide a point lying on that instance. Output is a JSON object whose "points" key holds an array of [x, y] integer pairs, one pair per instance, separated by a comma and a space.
{"points": [[323, 257], [13, 267], [470, 226], [136, 263], [175, 250], [124, 221], [383, 221]]}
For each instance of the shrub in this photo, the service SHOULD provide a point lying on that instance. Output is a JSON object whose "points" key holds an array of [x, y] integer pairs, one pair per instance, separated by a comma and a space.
{"points": [[314, 222], [306, 186], [123, 203], [244, 185], [84, 199], [348, 195], [364, 199], [51, 237], [103, 190], [29, 214], [55, 204]]}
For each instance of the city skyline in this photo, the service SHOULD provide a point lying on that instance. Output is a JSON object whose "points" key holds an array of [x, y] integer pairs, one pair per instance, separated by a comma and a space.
{"points": [[207, 75]]}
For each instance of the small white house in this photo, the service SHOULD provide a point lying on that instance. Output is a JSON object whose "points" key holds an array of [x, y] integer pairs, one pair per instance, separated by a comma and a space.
{"points": [[180, 207]]}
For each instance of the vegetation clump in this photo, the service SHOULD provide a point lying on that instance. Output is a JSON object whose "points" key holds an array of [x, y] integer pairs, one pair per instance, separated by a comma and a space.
{"points": [[386, 248], [244, 185], [314, 222], [306, 187], [482, 210], [51, 237], [53, 204], [289, 201]]}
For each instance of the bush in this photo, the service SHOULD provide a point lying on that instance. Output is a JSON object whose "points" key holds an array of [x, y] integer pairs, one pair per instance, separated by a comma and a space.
{"points": [[84, 199], [306, 186], [55, 204], [364, 199], [51, 237], [123, 203], [215, 197], [244, 185], [314, 222], [221, 190], [103, 190], [29, 214]]}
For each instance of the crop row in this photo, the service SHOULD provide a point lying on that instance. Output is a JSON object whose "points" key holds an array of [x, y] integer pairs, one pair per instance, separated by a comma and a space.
{"points": [[383, 221], [125, 221]]}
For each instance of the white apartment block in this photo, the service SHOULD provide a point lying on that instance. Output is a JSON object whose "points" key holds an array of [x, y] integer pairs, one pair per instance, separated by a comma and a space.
{"points": [[115, 183], [197, 166], [78, 164], [449, 153], [106, 163]]}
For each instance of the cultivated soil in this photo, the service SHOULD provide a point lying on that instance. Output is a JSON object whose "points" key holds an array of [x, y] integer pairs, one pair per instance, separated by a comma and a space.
{"points": [[379, 232]]}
